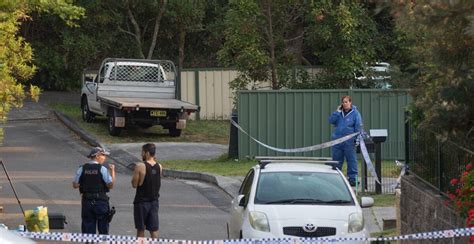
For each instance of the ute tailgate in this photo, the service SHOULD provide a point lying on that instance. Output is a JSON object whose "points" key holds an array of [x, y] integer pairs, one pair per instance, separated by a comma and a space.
{"points": [[156, 103]]}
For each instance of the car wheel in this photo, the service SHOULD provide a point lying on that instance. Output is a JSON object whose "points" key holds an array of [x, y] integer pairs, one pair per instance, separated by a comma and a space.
{"points": [[87, 115], [113, 131], [173, 132]]}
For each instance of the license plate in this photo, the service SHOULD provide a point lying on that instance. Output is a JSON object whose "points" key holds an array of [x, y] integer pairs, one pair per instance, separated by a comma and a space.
{"points": [[158, 113]]}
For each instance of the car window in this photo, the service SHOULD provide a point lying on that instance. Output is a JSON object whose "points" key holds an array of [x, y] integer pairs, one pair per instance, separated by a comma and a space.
{"points": [[241, 189], [247, 187], [102, 73], [302, 187], [247, 183], [136, 73]]}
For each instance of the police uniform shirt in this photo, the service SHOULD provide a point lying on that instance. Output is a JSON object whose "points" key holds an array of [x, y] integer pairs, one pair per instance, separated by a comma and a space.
{"points": [[105, 173]]}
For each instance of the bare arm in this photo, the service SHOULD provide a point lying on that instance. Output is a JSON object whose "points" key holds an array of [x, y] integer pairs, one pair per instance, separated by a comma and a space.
{"points": [[138, 175], [112, 173]]}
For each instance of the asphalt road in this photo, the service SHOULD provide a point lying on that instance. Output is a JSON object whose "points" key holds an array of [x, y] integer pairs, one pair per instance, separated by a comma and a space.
{"points": [[41, 156]]}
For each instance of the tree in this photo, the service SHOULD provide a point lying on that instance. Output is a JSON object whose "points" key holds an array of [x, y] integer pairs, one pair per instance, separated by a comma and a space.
{"points": [[138, 15], [262, 39], [265, 40], [16, 54], [342, 33], [62, 51], [187, 16], [443, 36]]}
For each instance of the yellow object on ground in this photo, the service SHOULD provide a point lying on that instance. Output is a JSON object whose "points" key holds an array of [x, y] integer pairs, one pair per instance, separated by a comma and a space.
{"points": [[37, 219]]}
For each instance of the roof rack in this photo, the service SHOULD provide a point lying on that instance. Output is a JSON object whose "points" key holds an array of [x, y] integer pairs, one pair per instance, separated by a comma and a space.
{"points": [[263, 161]]}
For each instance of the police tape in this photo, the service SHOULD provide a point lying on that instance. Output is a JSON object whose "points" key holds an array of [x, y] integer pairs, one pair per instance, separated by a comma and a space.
{"points": [[116, 239], [363, 147], [301, 149], [404, 170], [365, 155]]}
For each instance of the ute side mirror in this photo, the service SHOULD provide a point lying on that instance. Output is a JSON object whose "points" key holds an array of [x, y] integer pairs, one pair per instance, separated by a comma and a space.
{"points": [[366, 202], [241, 200]]}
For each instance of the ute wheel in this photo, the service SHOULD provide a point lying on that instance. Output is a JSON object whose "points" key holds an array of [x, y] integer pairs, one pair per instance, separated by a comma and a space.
{"points": [[113, 131], [87, 115], [173, 132]]}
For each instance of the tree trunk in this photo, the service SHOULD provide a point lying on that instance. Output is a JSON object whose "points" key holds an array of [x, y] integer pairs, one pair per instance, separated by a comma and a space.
{"points": [[271, 46], [157, 28], [294, 46], [136, 28], [182, 41]]}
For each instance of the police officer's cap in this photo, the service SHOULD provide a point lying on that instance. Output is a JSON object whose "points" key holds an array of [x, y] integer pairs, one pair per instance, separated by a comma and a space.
{"points": [[96, 151]]}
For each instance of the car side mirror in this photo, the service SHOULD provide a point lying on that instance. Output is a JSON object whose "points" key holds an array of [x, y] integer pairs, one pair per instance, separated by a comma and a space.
{"points": [[366, 202], [241, 200]]}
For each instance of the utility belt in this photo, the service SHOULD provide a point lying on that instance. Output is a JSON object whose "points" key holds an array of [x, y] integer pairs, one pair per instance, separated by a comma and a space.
{"points": [[95, 196]]}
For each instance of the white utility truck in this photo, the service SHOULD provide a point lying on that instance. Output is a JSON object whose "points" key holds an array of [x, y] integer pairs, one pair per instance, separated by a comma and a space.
{"points": [[135, 92]]}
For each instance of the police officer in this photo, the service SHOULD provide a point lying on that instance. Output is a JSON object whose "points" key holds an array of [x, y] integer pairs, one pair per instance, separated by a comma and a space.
{"points": [[94, 181]]}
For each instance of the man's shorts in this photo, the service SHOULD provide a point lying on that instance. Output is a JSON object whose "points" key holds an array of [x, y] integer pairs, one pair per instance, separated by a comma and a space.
{"points": [[145, 215]]}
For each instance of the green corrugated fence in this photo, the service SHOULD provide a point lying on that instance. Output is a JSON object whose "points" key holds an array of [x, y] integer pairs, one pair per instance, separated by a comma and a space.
{"points": [[299, 118]]}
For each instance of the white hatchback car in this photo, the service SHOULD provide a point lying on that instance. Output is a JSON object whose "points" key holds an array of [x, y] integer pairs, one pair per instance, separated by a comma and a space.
{"points": [[296, 197]]}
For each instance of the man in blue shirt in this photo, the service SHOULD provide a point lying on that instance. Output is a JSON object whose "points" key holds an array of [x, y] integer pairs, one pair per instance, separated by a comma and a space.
{"points": [[94, 181], [347, 120]]}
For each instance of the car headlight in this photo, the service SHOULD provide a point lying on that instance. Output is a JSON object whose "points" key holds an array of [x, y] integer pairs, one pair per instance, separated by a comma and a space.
{"points": [[259, 221], [356, 222]]}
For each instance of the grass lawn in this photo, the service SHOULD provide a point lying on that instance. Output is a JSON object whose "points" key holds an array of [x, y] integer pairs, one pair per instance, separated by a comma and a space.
{"points": [[211, 131], [221, 166], [389, 169]]}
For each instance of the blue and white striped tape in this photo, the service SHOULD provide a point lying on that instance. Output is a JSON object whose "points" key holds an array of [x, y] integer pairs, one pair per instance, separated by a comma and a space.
{"points": [[115, 239], [301, 149], [363, 147], [365, 155], [404, 170]]}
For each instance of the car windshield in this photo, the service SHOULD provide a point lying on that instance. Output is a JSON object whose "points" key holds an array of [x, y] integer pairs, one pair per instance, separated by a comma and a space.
{"points": [[302, 188]]}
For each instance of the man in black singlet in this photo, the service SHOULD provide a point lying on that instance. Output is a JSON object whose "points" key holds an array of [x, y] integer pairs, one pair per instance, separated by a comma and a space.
{"points": [[147, 179]]}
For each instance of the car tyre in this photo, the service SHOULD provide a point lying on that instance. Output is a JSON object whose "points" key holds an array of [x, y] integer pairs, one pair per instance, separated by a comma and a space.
{"points": [[113, 131], [173, 132], [87, 115]]}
